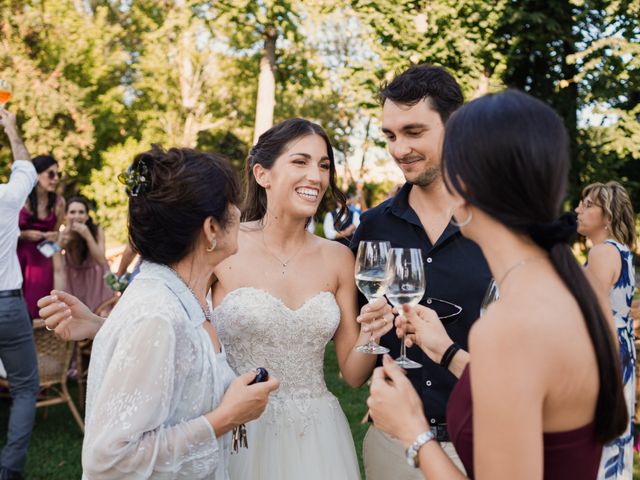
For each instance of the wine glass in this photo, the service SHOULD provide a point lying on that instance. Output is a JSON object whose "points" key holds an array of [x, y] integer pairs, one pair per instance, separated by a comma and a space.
{"points": [[5, 92], [371, 280], [406, 287], [491, 295]]}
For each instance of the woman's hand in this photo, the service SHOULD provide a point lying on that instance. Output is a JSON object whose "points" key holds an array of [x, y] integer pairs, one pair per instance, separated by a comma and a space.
{"points": [[423, 328], [242, 402], [32, 235], [51, 236], [376, 318], [81, 229], [394, 404], [68, 317]]}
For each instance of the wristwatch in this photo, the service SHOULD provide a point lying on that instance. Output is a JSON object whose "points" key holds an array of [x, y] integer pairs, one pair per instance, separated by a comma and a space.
{"points": [[414, 448]]}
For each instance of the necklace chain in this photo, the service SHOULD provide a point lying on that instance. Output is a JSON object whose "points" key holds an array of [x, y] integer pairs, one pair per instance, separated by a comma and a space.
{"points": [[206, 311], [515, 266], [283, 263]]}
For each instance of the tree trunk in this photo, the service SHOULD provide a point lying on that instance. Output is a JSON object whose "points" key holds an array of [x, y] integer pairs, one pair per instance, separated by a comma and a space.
{"points": [[266, 100]]}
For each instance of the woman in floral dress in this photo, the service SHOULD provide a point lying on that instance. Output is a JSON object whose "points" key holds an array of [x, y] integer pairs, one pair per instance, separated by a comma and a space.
{"points": [[605, 217]]}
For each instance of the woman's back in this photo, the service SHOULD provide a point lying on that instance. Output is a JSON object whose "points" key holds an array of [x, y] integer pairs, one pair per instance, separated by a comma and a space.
{"points": [[533, 369]]}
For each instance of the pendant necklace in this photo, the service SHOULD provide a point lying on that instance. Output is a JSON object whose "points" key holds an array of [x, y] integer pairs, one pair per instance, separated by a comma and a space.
{"points": [[283, 263]]}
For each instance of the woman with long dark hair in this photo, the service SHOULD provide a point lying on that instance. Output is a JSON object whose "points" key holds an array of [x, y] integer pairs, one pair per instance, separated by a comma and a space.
{"points": [[542, 392], [606, 218], [84, 255], [40, 220], [281, 299]]}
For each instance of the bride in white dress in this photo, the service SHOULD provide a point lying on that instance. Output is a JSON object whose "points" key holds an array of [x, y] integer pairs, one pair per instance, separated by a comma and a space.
{"points": [[280, 300]]}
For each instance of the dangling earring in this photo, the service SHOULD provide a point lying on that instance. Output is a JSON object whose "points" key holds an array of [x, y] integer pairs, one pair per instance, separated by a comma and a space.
{"points": [[214, 242], [464, 223]]}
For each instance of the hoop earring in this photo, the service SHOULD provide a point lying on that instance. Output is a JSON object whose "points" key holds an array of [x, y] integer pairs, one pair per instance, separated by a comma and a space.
{"points": [[214, 242], [464, 223]]}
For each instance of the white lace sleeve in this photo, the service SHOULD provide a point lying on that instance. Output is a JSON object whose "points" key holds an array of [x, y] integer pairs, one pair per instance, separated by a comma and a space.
{"points": [[127, 434]]}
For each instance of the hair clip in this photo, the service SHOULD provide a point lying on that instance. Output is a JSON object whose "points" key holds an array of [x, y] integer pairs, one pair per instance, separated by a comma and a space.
{"points": [[136, 179]]}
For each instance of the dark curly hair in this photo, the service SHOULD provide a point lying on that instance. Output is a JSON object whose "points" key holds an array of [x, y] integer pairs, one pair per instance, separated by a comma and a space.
{"points": [[184, 189], [425, 82]]}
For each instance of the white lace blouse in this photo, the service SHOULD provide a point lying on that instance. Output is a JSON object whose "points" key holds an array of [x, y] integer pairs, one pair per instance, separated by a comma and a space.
{"points": [[153, 376]]}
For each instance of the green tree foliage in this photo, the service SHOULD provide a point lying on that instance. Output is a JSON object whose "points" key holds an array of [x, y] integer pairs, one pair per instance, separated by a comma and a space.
{"points": [[608, 77], [97, 81]]}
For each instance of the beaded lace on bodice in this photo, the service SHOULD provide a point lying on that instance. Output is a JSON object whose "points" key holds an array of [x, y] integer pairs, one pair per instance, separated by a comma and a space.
{"points": [[259, 330]]}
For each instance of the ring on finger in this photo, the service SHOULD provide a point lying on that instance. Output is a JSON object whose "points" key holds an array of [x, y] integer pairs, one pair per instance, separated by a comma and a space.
{"points": [[47, 327]]}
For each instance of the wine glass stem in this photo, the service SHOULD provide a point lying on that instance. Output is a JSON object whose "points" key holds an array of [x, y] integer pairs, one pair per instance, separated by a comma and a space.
{"points": [[403, 348], [372, 341]]}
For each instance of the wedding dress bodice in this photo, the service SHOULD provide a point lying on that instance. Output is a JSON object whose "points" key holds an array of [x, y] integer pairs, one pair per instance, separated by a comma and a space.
{"points": [[259, 330]]}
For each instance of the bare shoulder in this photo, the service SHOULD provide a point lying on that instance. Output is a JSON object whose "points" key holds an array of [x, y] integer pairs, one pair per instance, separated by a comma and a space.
{"points": [[336, 251], [603, 253]]}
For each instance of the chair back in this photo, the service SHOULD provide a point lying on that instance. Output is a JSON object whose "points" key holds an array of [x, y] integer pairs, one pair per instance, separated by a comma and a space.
{"points": [[54, 355]]}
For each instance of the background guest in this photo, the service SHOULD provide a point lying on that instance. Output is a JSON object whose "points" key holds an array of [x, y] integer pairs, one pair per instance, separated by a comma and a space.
{"points": [[84, 256], [342, 229], [606, 218], [40, 219], [17, 347]]}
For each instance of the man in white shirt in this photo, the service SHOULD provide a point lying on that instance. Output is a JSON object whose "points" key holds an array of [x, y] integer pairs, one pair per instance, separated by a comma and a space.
{"points": [[342, 230], [17, 347]]}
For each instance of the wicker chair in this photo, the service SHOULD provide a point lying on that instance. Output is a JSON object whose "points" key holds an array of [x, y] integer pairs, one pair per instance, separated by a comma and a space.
{"points": [[54, 356], [83, 347]]}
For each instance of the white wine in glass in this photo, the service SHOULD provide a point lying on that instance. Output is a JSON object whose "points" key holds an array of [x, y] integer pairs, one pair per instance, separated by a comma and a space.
{"points": [[406, 287], [371, 280], [5, 92]]}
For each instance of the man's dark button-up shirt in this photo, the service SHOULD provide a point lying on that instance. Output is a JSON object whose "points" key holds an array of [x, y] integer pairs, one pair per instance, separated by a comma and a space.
{"points": [[455, 271]]}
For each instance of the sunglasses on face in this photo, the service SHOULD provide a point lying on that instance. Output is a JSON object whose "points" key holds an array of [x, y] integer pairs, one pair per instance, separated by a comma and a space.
{"points": [[53, 174]]}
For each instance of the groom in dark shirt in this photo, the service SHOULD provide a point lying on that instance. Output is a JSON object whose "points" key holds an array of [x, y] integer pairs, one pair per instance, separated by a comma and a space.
{"points": [[415, 107]]}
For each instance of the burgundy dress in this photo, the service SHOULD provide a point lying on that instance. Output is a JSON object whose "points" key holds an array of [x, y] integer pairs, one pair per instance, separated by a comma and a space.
{"points": [[37, 270], [571, 454]]}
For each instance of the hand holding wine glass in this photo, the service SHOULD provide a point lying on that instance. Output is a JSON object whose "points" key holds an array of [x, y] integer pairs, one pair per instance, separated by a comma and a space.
{"points": [[421, 326], [406, 287], [371, 278]]}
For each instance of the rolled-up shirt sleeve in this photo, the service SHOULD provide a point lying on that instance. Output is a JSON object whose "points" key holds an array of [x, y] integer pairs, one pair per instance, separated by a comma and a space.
{"points": [[21, 181], [126, 434]]}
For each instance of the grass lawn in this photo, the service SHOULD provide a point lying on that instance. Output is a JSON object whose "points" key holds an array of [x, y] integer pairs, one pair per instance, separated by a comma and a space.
{"points": [[56, 443]]}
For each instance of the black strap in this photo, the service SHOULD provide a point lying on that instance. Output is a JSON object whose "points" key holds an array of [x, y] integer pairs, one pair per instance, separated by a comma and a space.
{"points": [[449, 354]]}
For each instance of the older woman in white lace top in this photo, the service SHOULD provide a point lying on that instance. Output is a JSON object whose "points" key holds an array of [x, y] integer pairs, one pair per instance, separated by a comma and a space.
{"points": [[161, 397]]}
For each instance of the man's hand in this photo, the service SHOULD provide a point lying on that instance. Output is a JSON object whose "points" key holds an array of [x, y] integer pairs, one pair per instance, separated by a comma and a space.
{"points": [[8, 122]]}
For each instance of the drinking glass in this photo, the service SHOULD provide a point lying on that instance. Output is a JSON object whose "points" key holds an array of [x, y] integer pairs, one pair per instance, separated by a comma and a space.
{"points": [[491, 295], [5, 92], [371, 280], [406, 286]]}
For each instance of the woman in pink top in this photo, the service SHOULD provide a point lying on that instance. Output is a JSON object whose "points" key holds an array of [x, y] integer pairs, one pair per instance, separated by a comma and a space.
{"points": [[85, 262], [542, 390]]}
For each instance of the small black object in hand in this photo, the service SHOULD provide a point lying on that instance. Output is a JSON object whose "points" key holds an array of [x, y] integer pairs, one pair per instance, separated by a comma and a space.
{"points": [[261, 376]]}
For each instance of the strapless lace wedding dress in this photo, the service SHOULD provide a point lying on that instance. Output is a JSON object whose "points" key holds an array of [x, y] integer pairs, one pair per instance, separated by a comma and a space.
{"points": [[303, 434]]}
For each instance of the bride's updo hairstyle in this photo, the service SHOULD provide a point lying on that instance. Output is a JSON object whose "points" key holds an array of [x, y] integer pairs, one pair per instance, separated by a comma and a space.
{"points": [[271, 144], [171, 194], [507, 155]]}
